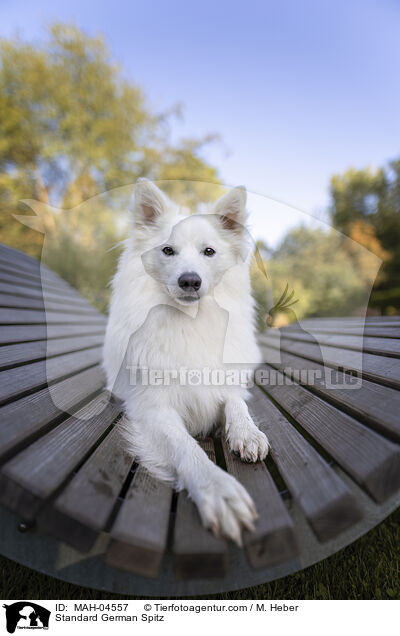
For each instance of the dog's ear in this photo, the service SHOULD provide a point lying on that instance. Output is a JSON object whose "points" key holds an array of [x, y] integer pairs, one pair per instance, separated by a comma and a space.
{"points": [[231, 207], [149, 203]]}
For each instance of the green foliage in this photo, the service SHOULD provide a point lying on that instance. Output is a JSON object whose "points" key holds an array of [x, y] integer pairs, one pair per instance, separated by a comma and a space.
{"points": [[373, 198], [82, 245], [355, 195], [71, 127], [321, 272], [321, 262]]}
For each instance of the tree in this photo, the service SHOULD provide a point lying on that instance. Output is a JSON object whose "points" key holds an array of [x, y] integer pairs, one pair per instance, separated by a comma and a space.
{"points": [[72, 127], [314, 273], [365, 205], [355, 196]]}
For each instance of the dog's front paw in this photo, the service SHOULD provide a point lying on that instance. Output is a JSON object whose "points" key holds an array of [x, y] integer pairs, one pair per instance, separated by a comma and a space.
{"points": [[247, 441], [225, 506]]}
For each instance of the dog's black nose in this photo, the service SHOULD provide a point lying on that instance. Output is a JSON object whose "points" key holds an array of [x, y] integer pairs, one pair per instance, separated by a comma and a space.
{"points": [[189, 281]]}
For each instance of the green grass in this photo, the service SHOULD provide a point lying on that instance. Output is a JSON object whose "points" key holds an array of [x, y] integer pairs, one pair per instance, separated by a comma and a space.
{"points": [[368, 569]]}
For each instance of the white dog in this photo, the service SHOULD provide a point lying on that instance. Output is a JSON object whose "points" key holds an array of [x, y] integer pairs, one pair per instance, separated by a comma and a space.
{"points": [[182, 301]]}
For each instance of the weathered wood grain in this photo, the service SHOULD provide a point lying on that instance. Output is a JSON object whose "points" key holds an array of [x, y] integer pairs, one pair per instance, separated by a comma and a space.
{"points": [[354, 320], [9, 253], [140, 531], [29, 377], [21, 291], [13, 255], [373, 367], [21, 262], [33, 273], [53, 287], [380, 346], [33, 475], [273, 540], [82, 510], [375, 404], [16, 354], [14, 279], [58, 287], [22, 302], [372, 460], [18, 264], [326, 501], [197, 553], [22, 421], [13, 334], [9, 316], [375, 331]]}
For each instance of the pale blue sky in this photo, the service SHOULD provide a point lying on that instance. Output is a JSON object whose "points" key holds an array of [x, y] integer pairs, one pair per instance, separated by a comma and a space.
{"points": [[298, 90]]}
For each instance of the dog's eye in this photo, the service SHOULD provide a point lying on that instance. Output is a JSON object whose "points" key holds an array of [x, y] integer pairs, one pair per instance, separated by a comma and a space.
{"points": [[209, 251], [168, 251]]}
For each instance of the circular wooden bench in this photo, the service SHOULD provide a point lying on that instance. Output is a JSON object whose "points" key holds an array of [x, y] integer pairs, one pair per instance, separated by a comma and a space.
{"points": [[76, 506]]}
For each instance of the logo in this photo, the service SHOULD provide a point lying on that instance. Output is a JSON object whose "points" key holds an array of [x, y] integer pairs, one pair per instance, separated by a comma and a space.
{"points": [[26, 615]]}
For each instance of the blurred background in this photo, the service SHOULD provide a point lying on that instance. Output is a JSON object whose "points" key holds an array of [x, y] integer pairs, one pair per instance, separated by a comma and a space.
{"points": [[299, 101]]}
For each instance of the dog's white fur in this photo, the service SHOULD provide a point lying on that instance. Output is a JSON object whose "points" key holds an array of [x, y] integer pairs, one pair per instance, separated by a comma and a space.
{"points": [[154, 324]]}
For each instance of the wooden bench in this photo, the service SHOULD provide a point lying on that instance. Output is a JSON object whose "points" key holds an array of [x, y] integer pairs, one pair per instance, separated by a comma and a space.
{"points": [[76, 506]]}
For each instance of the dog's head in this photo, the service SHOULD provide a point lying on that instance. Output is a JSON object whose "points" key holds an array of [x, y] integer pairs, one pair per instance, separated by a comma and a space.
{"points": [[188, 254]]}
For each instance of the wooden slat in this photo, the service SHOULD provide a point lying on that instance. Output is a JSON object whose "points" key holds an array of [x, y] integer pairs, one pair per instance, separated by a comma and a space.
{"points": [[27, 316], [326, 501], [59, 284], [60, 287], [196, 552], [352, 320], [63, 331], [21, 302], [21, 291], [15, 258], [25, 419], [375, 368], [373, 461], [373, 331], [24, 262], [14, 355], [273, 540], [140, 531], [375, 404], [82, 509], [32, 476], [34, 273], [10, 334], [12, 253], [384, 322], [31, 269], [380, 346], [16, 279], [16, 382]]}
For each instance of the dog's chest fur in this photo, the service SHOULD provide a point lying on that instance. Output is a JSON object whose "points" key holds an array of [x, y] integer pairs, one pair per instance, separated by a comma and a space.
{"points": [[145, 331], [170, 338]]}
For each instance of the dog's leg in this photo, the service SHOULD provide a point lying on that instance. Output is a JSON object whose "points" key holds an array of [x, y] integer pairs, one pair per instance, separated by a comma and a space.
{"points": [[162, 444], [244, 438]]}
